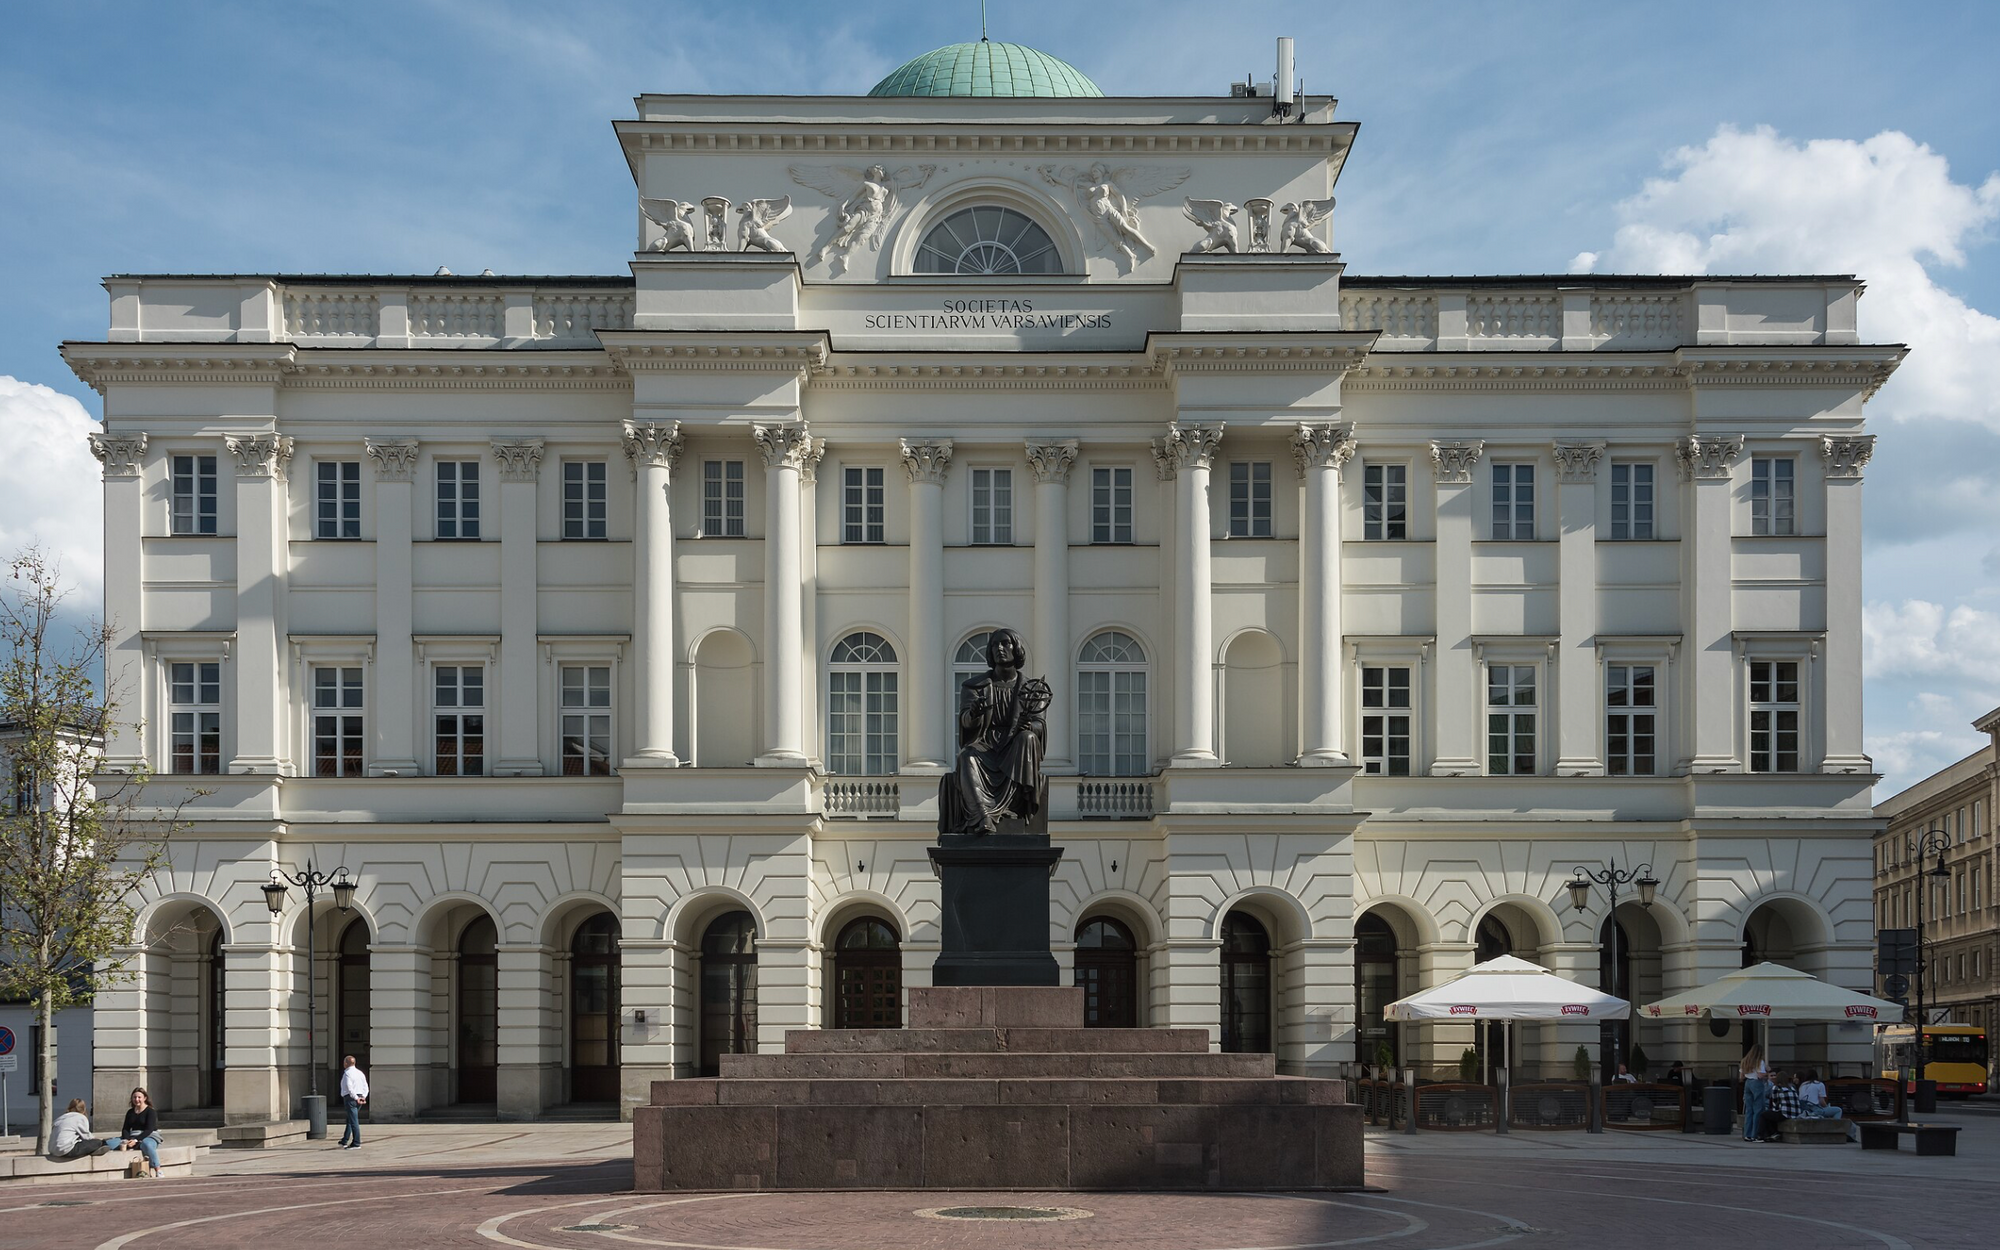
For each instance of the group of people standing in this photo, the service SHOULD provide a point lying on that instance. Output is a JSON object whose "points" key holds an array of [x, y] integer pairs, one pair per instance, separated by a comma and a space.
{"points": [[1770, 1098]]}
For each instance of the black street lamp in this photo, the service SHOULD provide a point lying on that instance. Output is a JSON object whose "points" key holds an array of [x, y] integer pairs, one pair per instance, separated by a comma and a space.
{"points": [[1930, 842], [312, 882], [1611, 878]]}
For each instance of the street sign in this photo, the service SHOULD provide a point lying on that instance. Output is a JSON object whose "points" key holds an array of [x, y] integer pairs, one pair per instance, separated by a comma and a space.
{"points": [[1896, 952], [6, 1041], [1895, 985], [1939, 1015], [10, 1063]]}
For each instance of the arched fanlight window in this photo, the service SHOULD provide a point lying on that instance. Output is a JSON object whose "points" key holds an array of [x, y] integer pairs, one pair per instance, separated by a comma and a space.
{"points": [[987, 239], [861, 706], [1246, 985], [1111, 706], [967, 662]]}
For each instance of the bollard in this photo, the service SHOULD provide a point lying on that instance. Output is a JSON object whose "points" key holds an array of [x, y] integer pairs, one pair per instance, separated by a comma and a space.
{"points": [[1410, 1084], [315, 1109], [1506, 1101], [1596, 1100], [1687, 1107]]}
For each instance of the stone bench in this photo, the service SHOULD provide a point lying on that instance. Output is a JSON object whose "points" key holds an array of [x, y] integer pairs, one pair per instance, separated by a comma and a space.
{"points": [[114, 1165], [1932, 1139], [1813, 1132]]}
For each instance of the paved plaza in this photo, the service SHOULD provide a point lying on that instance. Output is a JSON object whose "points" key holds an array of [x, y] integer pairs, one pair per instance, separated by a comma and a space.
{"points": [[567, 1187]]}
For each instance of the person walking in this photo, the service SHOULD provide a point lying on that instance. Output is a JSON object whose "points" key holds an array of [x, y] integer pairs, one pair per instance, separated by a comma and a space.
{"points": [[1756, 1089], [141, 1131], [69, 1136], [353, 1096]]}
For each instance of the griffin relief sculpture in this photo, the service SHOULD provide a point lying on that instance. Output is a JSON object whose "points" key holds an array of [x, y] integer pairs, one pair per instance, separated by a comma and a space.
{"points": [[675, 218], [1301, 219], [1216, 217], [1110, 199], [866, 199], [756, 219]]}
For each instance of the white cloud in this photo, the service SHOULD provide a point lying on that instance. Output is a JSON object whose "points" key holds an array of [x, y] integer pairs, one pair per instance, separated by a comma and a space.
{"points": [[49, 492], [1916, 638], [1908, 756], [1885, 209]]}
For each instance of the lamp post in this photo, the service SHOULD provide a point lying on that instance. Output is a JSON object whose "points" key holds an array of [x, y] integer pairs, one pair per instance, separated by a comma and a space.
{"points": [[1930, 842], [1611, 877], [312, 881]]}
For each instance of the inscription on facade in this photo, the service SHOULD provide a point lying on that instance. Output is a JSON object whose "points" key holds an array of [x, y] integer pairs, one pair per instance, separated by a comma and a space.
{"points": [[988, 314]]}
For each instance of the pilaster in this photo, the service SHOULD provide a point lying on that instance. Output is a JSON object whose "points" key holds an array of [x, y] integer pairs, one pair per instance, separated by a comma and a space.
{"points": [[1842, 458], [929, 749], [399, 990], [1706, 572], [1577, 684], [395, 462], [261, 566], [1320, 449], [519, 712], [1050, 652], [520, 971], [654, 451], [1458, 717], [1186, 454], [124, 459]]}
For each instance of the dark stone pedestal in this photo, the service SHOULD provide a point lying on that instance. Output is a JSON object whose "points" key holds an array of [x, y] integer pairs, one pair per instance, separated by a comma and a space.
{"points": [[995, 911]]}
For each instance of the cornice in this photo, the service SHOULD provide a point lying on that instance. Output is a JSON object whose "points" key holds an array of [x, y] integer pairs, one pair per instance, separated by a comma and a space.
{"points": [[1330, 351], [835, 139], [231, 364], [456, 370], [1428, 371], [1863, 366], [767, 351], [1027, 372]]}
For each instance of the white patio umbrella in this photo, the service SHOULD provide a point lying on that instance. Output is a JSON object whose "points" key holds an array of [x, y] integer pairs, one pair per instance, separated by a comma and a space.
{"points": [[1774, 992], [1507, 988]]}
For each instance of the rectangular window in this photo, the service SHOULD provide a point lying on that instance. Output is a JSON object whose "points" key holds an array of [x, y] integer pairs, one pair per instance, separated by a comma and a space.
{"points": [[861, 507], [583, 500], [1385, 502], [1771, 496], [458, 499], [1976, 904], [194, 699], [1510, 719], [1111, 722], [1960, 888], [586, 720], [1632, 502], [458, 700], [992, 507], [861, 722], [722, 499], [1385, 722], [1250, 499], [337, 502], [337, 722], [1774, 716], [1111, 505], [1630, 706], [1513, 502], [194, 494]]}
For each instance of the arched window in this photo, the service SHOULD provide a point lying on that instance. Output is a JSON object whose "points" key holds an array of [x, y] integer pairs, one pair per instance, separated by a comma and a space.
{"points": [[593, 1010], [478, 1011], [987, 239], [868, 976], [728, 990], [861, 707], [1246, 985], [1375, 982], [967, 662], [1111, 707], [1107, 967], [352, 1003], [1492, 940]]}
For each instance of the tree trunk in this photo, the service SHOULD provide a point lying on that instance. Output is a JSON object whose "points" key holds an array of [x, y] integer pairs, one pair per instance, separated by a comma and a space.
{"points": [[45, 1058]]}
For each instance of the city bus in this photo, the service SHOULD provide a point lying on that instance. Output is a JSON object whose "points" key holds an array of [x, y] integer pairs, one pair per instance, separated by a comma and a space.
{"points": [[1958, 1055]]}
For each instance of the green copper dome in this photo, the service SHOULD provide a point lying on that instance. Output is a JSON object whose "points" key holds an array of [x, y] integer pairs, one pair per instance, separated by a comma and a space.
{"points": [[986, 69]]}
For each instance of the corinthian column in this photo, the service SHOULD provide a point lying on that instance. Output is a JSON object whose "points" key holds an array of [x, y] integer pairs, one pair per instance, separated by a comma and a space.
{"points": [[395, 461], [1185, 454], [124, 459], [1578, 690], [790, 452], [1705, 574], [1843, 457], [926, 463], [1320, 450], [1050, 463], [654, 450], [520, 715], [1459, 715], [262, 563]]}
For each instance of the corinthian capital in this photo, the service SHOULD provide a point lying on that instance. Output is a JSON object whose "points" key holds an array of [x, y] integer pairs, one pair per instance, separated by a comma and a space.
{"points": [[1050, 462], [260, 455], [656, 445], [395, 458], [789, 446], [520, 461], [1186, 447], [122, 455], [1321, 445], [926, 462], [1577, 462], [1453, 463], [1845, 454], [1708, 455]]}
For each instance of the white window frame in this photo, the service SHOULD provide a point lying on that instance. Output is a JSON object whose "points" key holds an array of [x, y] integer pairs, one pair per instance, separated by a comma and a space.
{"points": [[346, 717], [720, 492], [577, 528], [1377, 515], [1377, 764], [995, 528], [345, 481], [1538, 729], [1770, 515], [1626, 520], [460, 513], [1797, 706], [1621, 675], [1115, 759], [164, 648], [864, 505], [560, 651], [459, 711], [1507, 481], [878, 682], [961, 671], [1250, 500], [196, 708], [1107, 481], [313, 651], [203, 479]]}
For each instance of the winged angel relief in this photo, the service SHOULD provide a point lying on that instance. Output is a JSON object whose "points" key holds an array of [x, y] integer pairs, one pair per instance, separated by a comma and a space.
{"points": [[866, 199], [1110, 198]]}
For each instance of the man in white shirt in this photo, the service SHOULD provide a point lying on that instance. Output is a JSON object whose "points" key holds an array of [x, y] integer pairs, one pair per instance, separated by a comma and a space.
{"points": [[69, 1136], [353, 1096]]}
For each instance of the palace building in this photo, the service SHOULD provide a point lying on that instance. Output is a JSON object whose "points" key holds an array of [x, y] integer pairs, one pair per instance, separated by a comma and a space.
{"points": [[607, 629]]}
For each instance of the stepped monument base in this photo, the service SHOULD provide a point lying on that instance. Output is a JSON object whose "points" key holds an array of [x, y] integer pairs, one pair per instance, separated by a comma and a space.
{"points": [[998, 1087]]}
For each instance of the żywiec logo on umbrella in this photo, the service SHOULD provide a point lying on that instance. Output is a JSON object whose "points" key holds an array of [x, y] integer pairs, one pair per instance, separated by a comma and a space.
{"points": [[1860, 1012], [1575, 1009], [1464, 1009], [1754, 1009]]}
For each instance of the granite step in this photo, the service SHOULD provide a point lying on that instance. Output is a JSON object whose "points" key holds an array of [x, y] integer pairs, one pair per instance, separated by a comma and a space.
{"points": [[1102, 1091], [1000, 1065], [996, 1007], [989, 1040]]}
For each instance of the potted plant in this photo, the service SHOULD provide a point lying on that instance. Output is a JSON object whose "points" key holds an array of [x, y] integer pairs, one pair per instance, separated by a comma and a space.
{"points": [[1468, 1066], [1385, 1059], [1581, 1063]]}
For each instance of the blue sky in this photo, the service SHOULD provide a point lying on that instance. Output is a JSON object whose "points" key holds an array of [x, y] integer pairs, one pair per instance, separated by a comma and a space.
{"points": [[397, 137]]}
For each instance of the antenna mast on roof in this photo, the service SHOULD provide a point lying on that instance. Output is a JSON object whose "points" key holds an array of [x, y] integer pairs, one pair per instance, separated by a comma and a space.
{"points": [[982, 21]]}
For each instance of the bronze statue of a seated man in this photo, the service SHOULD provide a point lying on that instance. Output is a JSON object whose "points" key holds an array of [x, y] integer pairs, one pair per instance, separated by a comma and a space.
{"points": [[1002, 737]]}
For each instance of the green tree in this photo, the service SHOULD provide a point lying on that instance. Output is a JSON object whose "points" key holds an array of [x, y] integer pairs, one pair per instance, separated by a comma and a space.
{"points": [[75, 844]]}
